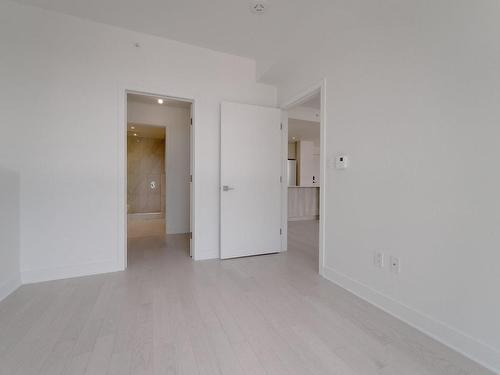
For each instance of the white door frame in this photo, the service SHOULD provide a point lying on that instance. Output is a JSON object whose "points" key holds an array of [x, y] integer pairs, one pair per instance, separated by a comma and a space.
{"points": [[287, 104], [121, 254]]}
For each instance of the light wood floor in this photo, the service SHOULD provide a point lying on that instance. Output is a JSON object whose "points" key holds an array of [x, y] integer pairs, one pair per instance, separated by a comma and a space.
{"points": [[269, 314], [145, 227]]}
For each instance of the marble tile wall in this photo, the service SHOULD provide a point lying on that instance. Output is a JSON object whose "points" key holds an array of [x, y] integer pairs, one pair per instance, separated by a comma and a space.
{"points": [[145, 165]]}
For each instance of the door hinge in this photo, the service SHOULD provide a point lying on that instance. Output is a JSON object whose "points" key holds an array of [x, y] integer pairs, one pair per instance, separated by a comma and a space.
{"points": [[281, 178], [191, 121], [281, 231], [190, 178], [190, 235], [281, 126]]}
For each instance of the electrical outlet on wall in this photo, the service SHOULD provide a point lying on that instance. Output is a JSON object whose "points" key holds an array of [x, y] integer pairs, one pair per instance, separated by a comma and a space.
{"points": [[378, 259], [395, 264]]}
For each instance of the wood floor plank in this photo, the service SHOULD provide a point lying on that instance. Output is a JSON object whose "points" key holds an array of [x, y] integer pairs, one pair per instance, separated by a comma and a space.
{"points": [[265, 315], [101, 356]]}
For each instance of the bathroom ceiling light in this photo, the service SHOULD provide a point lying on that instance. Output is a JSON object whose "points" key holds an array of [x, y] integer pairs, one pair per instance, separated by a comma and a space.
{"points": [[160, 101], [135, 134], [132, 127]]}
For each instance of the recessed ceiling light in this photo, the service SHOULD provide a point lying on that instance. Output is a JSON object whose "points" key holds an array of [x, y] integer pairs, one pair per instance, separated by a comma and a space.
{"points": [[132, 127], [160, 101], [294, 138], [135, 134]]}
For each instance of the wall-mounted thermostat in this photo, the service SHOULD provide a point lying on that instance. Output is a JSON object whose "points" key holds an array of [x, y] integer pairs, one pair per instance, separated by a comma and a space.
{"points": [[341, 162]]}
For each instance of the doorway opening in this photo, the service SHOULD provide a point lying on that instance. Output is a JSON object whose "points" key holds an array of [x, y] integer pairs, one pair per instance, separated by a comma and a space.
{"points": [[304, 169], [146, 180], [158, 174]]}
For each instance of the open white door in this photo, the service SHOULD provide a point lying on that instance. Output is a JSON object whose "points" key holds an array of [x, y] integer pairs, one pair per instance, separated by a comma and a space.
{"points": [[251, 166]]}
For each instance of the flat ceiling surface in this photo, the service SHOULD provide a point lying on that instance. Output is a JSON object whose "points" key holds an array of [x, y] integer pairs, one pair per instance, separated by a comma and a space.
{"points": [[303, 131], [148, 99], [313, 102], [145, 131], [222, 25]]}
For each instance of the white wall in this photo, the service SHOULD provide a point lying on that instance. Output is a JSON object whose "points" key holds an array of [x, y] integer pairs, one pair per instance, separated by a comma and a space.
{"points": [[63, 82], [413, 93], [176, 121], [10, 277]]}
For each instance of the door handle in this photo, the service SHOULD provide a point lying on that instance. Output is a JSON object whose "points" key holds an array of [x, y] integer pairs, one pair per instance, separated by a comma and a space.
{"points": [[227, 188]]}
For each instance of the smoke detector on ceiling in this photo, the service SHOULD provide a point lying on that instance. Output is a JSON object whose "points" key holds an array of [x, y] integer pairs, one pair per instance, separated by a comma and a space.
{"points": [[258, 6]]}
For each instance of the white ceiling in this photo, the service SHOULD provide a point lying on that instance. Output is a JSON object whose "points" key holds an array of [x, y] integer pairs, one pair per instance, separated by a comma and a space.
{"points": [[222, 25], [145, 131], [303, 131], [313, 102], [147, 99]]}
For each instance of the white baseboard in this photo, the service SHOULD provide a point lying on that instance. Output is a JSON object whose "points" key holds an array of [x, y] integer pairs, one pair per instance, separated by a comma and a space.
{"points": [[468, 346], [10, 285], [64, 272]]}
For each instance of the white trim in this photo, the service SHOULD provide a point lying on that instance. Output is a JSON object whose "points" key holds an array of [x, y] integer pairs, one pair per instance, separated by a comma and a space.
{"points": [[469, 347], [69, 271], [293, 101], [284, 181], [166, 160], [10, 285], [123, 90]]}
